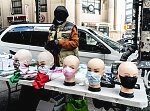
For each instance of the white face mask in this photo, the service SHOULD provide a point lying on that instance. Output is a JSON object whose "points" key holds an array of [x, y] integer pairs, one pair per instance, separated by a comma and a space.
{"points": [[23, 68], [45, 70]]}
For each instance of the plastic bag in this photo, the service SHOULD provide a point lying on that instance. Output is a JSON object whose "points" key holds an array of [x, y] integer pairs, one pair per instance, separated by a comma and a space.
{"points": [[77, 105], [107, 81]]}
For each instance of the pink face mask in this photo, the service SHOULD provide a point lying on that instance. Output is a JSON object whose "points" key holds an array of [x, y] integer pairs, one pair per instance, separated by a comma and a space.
{"points": [[68, 72]]}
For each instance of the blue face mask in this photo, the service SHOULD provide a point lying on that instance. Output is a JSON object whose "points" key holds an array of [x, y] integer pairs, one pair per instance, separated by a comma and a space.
{"points": [[93, 78]]}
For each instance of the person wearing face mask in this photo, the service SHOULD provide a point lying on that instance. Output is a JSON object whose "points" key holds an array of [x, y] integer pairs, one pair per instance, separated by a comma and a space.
{"points": [[21, 63], [63, 39], [70, 68], [128, 74]]}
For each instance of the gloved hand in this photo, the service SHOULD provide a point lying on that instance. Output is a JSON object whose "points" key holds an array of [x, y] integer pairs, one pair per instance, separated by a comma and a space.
{"points": [[53, 46], [56, 42]]}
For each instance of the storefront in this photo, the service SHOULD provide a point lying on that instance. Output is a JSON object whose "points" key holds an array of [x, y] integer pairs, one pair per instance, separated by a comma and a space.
{"points": [[16, 19], [102, 27]]}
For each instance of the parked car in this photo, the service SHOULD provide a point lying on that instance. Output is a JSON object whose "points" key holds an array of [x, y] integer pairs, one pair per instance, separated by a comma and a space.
{"points": [[33, 37], [126, 41]]}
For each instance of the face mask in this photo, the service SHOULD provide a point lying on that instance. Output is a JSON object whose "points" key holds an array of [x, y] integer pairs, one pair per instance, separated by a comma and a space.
{"points": [[43, 69], [59, 22], [128, 82], [23, 68], [93, 78], [68, 72]]}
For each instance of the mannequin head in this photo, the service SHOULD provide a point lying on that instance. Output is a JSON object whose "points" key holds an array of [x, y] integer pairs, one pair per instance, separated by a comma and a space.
{"points": [[21, 60], [45, 60], [23, 56], [128, 74], [95, 68], [70, 67]]}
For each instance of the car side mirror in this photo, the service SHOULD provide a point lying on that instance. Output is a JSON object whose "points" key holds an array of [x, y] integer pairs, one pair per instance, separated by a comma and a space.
{"points": [[103, 48]]}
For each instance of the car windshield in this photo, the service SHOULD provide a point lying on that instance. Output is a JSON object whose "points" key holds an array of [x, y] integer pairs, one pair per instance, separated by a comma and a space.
{"points": [[107, 40]]}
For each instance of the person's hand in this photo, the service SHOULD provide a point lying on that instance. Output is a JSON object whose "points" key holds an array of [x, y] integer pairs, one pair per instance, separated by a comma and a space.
{"points": [[52, 44], [56, 42], [48, 46], [53, 47]]}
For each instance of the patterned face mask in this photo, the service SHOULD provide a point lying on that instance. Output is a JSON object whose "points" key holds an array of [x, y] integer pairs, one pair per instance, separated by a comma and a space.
{"points": [[68, 72], [23, 68], [93, 78], [43, 69]]}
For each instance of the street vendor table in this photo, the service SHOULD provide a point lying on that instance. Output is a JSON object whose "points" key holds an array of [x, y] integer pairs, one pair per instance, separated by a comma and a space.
{"points": [[106, 94]]}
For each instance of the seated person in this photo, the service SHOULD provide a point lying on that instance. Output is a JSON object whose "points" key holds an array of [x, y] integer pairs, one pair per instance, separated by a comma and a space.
{"points": [[45, 64], [128, 74], [70, 68]]}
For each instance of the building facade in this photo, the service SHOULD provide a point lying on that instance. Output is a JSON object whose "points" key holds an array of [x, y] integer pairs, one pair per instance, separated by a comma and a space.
{"points": [[0, 16], [106, 16], [128, 11], [128, 18]]}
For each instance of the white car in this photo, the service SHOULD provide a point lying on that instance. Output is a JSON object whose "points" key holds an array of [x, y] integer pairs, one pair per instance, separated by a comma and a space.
{"points": [[33, 37]]}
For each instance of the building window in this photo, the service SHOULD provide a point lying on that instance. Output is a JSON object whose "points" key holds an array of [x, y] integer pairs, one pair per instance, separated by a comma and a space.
{"points": [[17, 6], [43, 4], [91, 6]]}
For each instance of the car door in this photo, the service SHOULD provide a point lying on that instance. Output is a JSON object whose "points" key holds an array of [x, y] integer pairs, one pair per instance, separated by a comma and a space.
{"points": [[39, 38], [89, 47], [16, 38]]}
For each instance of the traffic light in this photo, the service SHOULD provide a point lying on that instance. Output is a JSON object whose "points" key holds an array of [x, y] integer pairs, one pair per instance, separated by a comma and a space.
{"points": [[125, 27]]}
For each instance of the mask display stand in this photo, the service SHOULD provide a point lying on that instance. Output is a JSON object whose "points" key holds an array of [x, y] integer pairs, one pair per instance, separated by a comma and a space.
{"points": [[70, 68], [128, 74], [95, 70]]}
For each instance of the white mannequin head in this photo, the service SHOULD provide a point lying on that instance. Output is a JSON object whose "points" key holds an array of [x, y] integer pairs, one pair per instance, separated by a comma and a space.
{"points": [[45, 58], [23, 56], [96, 66], [71, 62], [126, 70]]}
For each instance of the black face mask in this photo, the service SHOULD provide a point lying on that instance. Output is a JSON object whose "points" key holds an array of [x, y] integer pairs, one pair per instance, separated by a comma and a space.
{"points": [[128, 82]]}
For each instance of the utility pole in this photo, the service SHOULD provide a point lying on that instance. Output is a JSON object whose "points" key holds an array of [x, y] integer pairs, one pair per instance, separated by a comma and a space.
{"points": [[38, 10]]}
